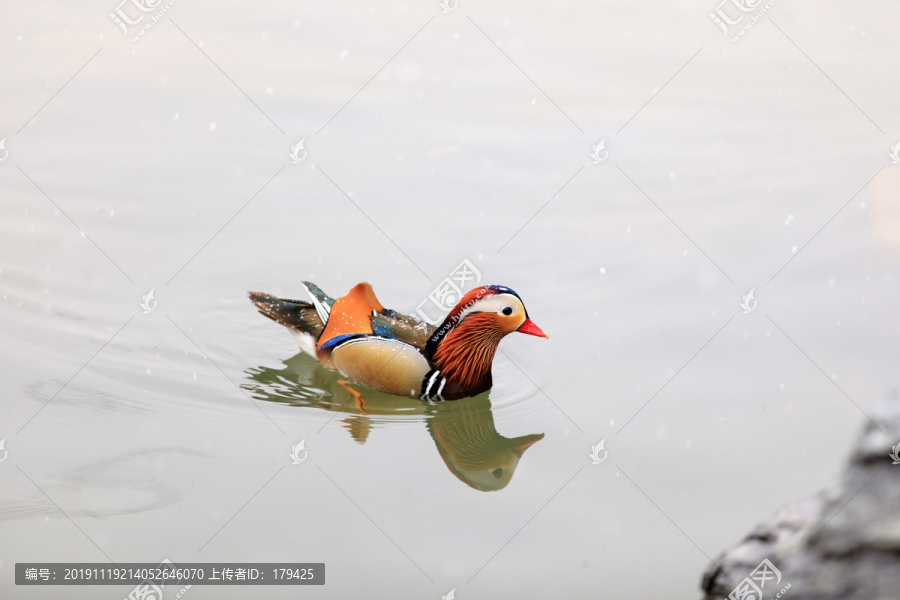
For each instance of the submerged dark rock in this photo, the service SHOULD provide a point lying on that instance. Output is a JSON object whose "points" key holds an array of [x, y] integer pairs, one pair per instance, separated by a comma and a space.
{"points": [[843, 542]]}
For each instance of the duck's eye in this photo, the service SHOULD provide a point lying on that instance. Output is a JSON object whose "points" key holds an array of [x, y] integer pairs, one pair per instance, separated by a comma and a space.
{"points": [[497, 473], [507, 311]]}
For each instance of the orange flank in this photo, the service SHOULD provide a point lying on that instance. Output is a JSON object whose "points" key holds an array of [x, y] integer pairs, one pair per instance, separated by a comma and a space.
{"points": [[351, 313]]}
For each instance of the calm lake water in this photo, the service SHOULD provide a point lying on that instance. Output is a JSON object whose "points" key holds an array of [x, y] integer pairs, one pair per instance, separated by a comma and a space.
{"points": [[163, 164]]}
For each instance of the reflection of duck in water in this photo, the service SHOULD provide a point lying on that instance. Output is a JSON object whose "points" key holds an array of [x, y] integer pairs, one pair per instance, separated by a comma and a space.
{"points": [[398, 354], [463, 431], [465, 435]]}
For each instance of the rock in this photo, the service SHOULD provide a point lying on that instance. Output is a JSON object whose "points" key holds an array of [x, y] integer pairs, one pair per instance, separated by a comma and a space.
{"points": [[843, 542]]}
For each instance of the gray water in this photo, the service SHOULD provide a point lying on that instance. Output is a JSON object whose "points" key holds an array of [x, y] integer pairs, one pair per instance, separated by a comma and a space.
{"points": [[163, 165]]}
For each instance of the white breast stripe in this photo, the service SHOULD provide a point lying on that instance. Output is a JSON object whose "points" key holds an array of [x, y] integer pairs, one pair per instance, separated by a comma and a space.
{"points": [[441, 389], [431, 383]]}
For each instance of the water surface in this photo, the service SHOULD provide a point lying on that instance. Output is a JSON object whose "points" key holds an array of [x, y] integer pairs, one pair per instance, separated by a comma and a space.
{"points": [[138, 436]]}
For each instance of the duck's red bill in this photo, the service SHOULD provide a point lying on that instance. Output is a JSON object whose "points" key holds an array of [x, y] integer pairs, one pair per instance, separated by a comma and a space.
{"points": [[531, 329]]}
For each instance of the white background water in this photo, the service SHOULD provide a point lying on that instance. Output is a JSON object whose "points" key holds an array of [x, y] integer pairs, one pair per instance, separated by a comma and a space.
{"points": [[761, 164]]}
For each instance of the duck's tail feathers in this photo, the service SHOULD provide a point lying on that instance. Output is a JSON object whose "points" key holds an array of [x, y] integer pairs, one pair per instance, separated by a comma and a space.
{"points": [[320, 300], [293, 314]]}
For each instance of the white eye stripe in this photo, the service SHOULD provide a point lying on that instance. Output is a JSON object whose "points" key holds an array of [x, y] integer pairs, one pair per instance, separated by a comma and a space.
{"points": [[495, 303]]}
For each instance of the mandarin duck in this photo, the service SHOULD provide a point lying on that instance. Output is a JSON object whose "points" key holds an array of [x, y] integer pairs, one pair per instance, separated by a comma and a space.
{"points": [[395, 353]]}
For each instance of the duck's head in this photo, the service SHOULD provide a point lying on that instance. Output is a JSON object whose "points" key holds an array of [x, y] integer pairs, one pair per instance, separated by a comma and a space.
{"points": [[462, 348], [494, 309]]}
